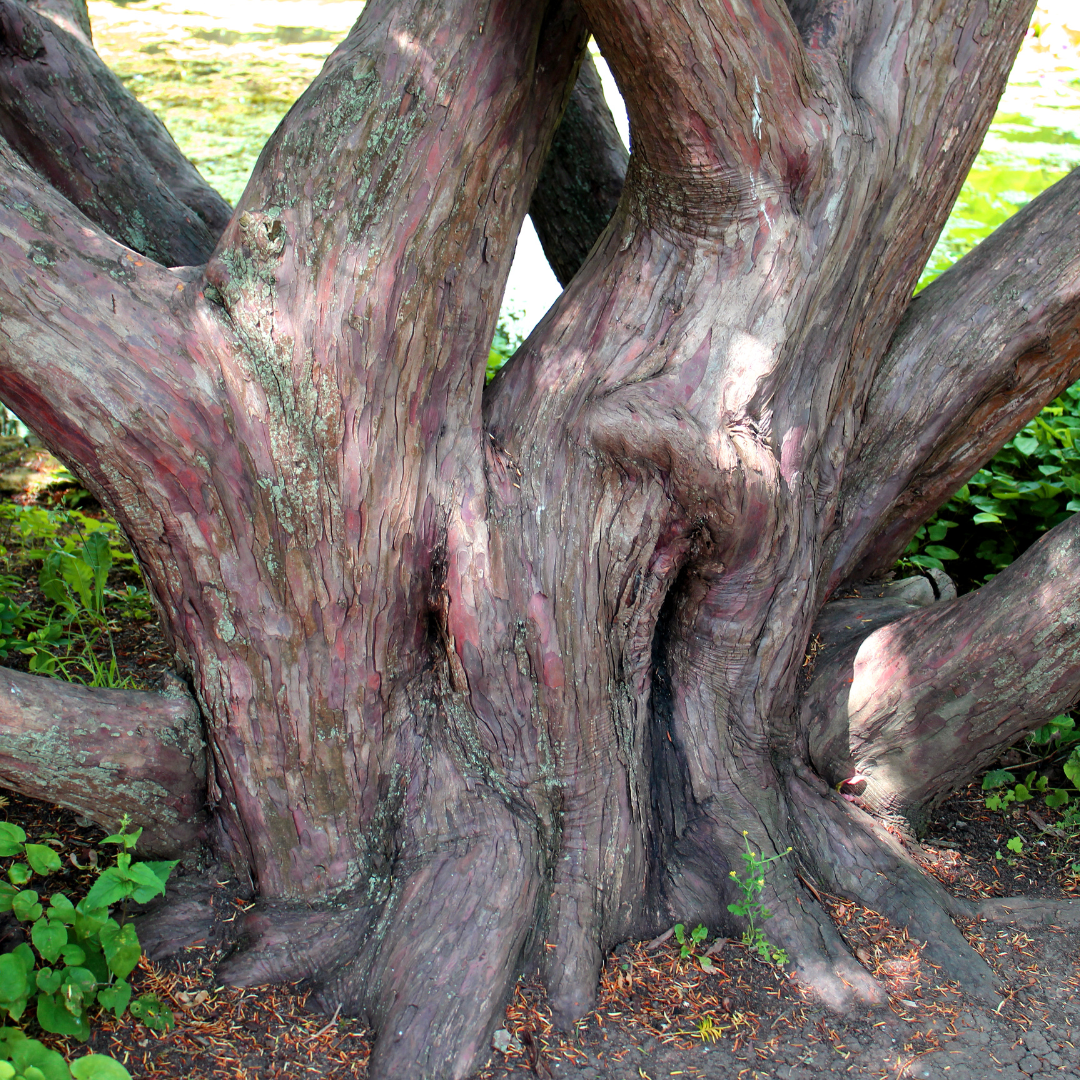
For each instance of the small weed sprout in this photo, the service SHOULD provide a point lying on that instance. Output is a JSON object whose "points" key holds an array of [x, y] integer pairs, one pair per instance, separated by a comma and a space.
{"points": [[750, 906], [688, 944]]}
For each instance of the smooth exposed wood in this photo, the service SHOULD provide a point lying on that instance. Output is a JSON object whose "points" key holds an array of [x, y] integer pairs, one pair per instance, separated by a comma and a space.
{"points": [[921, 705]]}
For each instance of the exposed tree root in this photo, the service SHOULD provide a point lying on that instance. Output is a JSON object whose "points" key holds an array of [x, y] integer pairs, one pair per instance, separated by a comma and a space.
{"points": [[105, 753]]}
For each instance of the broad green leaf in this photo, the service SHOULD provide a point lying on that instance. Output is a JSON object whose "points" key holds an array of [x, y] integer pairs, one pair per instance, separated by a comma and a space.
{"points": [[928, 561], [115, 997], [7, 1070], [107, 890], [1021, 793], [121, 946], [89, 920], [940, 551], [996, 778], [7, 894], [19, 873], [14, 983], [25, 905], [42, 858], [162, 870], [74, 955], [52, 1016], [27, 1054], [985, 518], [98, 1067], [61, 909], [147, 883], [48, 938], [1016, 844], [48, 981], [1072, 768], [78, 990], [1057, 797], [11, 839]]}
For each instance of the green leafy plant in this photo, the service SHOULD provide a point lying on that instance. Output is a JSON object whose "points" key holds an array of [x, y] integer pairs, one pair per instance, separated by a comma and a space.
{"points": [[77, 553], [750, 907], [78, 956], [1028, 487], [690, 942], [504, 344]]}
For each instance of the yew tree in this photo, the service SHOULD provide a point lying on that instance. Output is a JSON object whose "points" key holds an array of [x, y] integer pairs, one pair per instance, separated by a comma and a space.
{"points": [[485, 676]]}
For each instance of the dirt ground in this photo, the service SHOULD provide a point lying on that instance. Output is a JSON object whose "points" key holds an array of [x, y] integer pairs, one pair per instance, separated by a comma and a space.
{"points": [[660, 1015]]}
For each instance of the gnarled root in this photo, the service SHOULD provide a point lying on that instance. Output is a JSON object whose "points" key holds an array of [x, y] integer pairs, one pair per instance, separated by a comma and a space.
{"points": [[105, 753]]}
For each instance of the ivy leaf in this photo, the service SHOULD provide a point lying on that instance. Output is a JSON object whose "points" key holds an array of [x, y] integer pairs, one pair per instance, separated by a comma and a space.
{"points": [[153, 1013], [52, 1016], [14, 984], [996, 778], [48, 938], [74, 955], [25, 906], [61, 909], [1072, 768], [19, 873], [98, 1067], [115, 997]]}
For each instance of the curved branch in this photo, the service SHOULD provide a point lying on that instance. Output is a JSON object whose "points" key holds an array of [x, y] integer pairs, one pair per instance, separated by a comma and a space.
{"points": [[582, 178], [719, 104], [106, 753], [918, 706], [977, 354], [69, 15], [75, 124]]}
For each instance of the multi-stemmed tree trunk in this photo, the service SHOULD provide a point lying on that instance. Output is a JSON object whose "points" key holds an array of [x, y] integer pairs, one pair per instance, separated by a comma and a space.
{"points": [[492, 675]]}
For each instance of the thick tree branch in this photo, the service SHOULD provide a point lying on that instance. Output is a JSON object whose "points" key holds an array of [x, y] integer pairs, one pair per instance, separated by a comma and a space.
{"points": [[73, 121], [582, 178], [720, 106], [106, 753], [919, 705], [69, 15], [977, 354]]}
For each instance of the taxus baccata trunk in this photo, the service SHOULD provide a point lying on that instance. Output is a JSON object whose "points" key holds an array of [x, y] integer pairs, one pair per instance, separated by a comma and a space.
{"points": [[493, 675]]}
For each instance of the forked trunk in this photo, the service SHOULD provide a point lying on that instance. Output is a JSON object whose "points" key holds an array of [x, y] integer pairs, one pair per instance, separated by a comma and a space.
{"points": [[493, 676]]}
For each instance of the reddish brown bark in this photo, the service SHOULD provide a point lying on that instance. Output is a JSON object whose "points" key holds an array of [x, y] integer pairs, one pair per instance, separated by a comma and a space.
{"points": [[106, 753], [506, 676]]}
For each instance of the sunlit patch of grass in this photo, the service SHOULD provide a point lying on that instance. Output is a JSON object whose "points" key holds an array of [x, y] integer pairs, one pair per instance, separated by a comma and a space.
{"points": [[221, 77]]}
